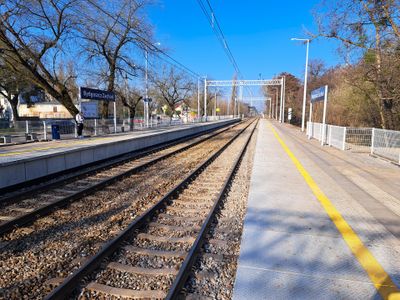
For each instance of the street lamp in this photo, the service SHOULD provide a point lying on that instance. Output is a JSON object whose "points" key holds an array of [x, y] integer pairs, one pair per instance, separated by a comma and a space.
{"points": [[303, 116], [146, 99]]}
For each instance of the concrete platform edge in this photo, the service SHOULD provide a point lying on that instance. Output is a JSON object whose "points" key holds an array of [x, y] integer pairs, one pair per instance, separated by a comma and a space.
{"points": [[12, 173]]}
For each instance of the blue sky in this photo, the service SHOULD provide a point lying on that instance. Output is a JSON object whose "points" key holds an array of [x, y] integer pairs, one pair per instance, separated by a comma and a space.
{"points": [[258, 33]]}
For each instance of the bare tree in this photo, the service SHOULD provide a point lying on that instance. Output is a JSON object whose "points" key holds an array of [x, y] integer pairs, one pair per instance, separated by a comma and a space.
{"points": [[11, 87], [369, 29], [174, 88], [112, 40], [130, 98], [33, 35]]}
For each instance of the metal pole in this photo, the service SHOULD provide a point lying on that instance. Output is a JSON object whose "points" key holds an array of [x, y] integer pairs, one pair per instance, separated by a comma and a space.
{"points": [[146, 104], [324, 116], [240, 98], [144, 112], [284, 97], [303, 116], [44, 131], [310, 122], [205, 99], [276, 103], [198, 98], [270, 108], [95, 127], [115, 117], [372, 140], [280, 104], [215, 104], [80, 100], [235, 107]]}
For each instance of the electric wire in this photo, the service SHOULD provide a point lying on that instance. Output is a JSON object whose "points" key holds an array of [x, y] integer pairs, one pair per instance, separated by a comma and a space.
{"points": [[213, 20]]}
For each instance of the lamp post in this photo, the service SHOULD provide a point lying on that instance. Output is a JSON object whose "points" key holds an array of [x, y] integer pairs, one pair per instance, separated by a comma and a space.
{"points": [[205, 99], [146, 98], [198, 99], [303, 116]]}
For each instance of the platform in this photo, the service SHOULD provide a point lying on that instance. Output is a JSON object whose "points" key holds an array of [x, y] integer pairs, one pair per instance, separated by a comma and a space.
{"points": [[20, 163], [320, 224]]}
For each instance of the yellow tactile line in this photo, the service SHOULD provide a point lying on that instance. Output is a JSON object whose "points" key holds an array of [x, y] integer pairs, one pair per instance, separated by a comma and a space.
{"points": [[49, 148], [381, 280]]}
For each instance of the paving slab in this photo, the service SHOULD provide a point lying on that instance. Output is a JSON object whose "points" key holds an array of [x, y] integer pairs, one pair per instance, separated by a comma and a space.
{"points": [[290, 247]]}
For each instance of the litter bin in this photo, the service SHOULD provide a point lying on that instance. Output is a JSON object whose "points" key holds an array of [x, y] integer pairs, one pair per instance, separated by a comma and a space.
{"points": [[55, 132]]}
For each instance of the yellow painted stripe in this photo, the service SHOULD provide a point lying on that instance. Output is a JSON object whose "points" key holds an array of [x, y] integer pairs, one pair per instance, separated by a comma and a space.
{"points": [[381, 280], [65, 145]]}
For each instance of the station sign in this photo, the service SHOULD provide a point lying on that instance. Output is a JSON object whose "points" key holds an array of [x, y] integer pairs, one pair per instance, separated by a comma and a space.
{"points": [[318, 94], [90, 109], [94, 94]]}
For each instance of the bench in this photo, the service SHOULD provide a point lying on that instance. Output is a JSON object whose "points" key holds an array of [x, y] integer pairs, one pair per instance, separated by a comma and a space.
{"points": [[5, 139], [32, 136]]}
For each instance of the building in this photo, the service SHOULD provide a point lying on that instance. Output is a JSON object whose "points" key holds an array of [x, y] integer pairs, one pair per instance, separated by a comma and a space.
{"points": [[44, 110]]}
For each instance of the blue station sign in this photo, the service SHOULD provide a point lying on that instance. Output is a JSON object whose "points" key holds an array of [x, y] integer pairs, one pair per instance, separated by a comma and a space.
{"points": [[93, 94], [318, 94]]}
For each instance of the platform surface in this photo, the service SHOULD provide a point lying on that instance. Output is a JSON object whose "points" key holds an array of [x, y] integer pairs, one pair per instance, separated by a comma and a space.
{"points": [[291, 248], [14, 153]]}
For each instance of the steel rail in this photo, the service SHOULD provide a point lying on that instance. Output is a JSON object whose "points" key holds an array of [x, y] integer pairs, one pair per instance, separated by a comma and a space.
{"points": [[76, 173], [65, 289], [190, 259], [47, 209]]}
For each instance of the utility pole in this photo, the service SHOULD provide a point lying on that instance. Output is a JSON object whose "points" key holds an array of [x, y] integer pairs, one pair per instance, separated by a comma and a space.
{"points": [[205, 99], [215, 104], [303, 115], [146, 99], [198, 98]]}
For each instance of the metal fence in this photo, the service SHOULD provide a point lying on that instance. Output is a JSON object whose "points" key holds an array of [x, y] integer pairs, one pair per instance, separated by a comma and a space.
{"points": [[22, 131], [336, 136], [358, 139], [386, 143], [381, 142]]}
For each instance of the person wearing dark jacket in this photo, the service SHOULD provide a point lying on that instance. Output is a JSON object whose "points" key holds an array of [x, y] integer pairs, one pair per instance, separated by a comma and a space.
{"points": [[79, 121]]}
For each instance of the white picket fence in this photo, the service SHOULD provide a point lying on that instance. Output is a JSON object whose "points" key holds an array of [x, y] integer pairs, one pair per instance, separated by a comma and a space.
{"points": [[381, 142]]}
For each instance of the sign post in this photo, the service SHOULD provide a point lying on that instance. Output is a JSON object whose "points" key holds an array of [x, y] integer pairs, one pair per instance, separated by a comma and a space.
{"points": [[320, 94], [324, 116], [99, 95]]}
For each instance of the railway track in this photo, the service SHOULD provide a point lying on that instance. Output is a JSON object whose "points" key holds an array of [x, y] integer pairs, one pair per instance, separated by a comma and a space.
{"points": [[25, 207], [56, 245], [153, 256]]}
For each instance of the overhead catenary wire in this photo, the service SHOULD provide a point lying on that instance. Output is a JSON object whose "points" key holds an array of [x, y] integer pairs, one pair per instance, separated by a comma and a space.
{"points": [[213, 20], [215, 25]]}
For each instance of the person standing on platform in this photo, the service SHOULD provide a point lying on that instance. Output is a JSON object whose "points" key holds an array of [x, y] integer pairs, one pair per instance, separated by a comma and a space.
{"points": [[79, 121]]}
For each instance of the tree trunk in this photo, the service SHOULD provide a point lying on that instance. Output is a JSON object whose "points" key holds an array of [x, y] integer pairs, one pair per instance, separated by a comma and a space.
{"points": [[14, 106], [132, 113], [104, 109], [110, 88], [384, 112], [66, 100]]}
